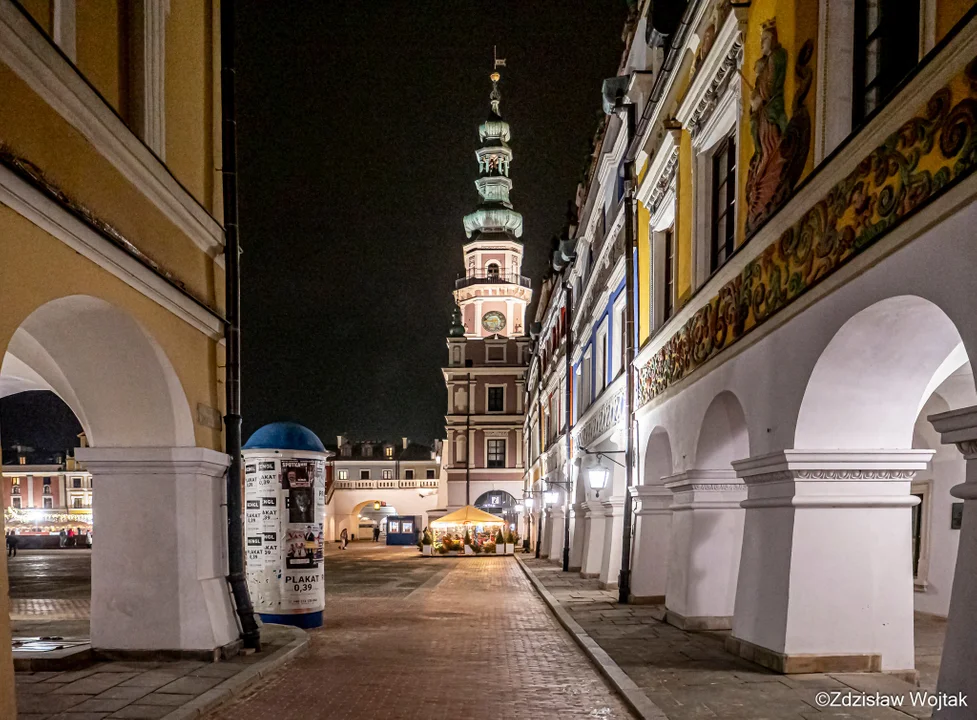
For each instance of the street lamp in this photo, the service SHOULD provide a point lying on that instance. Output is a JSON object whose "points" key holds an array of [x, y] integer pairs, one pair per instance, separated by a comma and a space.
{"points": [[528, 502], [597, 477], [376, 505]]}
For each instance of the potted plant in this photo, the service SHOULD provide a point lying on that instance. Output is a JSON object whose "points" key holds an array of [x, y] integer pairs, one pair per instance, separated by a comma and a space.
{"points": [[490, 547], [468, 544], [442, 548], [499, 543], [427, 544], [510, 543]]}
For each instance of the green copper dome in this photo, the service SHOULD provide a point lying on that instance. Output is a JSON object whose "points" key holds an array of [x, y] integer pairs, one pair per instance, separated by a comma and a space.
{"points": [[457, 329]]}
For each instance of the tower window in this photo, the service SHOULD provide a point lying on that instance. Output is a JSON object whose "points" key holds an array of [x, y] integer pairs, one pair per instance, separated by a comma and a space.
{"points": [[496, 399], [496, 454], [492, 271]]}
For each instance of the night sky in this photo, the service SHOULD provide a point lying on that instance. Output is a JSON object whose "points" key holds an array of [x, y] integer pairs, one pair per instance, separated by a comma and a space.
{"points": [[358, 123]]}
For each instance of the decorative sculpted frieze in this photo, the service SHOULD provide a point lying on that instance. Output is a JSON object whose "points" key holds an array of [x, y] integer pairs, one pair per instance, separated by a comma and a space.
{"points": [[606, 417], [925, 156], [664, 182], [850, 474], [724, 74]]}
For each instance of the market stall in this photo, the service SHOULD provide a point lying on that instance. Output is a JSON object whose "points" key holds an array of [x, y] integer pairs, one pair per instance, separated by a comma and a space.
{"points": [[470, 531], [41, 529]]}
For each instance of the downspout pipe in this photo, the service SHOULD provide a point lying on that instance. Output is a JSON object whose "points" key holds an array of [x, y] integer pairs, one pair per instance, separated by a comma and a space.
{"points": [[567, 401], [250, 633]]}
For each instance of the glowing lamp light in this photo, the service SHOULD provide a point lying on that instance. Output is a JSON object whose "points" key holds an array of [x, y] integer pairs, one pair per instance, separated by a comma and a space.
{"points": [[376, 505], [519, 507], [528, 502], [549, 497], [597, 478]]}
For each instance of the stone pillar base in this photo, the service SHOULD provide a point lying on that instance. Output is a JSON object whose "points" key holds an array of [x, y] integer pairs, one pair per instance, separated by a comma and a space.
{"points": [[802, 663], [607, 585], [646, 599], [589, 575], [698, 624]]}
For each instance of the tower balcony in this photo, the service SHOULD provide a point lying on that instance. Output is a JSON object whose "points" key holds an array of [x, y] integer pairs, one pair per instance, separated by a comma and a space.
{"points": [[490, 278]]}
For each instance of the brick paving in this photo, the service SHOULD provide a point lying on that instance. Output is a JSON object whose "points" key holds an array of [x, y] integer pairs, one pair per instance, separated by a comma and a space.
{"points": [[412, 637], [691, 676]]}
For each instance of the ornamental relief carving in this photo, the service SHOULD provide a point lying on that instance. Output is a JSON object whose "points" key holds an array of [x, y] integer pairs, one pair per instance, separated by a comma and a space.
{"points": [[920, 160], [664, 182], [855, 474], [968, 448], [724, 74], [607, 417]]}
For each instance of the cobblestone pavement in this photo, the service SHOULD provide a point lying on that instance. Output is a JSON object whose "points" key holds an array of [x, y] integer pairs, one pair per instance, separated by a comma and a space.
{"points": [[412, 637], [130, 689], [690, 675], [50, 592]]}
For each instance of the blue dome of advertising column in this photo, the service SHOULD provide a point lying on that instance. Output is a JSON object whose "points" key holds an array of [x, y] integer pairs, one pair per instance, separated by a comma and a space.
{"points": [[284, 436]]}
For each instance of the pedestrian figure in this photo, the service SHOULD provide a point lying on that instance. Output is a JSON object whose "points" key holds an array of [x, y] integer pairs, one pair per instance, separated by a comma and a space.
{"points": [[71, 537], [376, 533], [12, 541], [62, 538], [88, 538], [344, 539]]}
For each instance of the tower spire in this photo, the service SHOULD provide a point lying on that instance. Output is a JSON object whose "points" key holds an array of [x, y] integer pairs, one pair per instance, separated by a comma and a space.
{"points": [[493, 294]]}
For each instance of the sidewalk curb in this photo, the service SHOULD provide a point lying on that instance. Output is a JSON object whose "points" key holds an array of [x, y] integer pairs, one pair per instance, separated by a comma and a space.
{"points": [[223, 692], [625, 686]]}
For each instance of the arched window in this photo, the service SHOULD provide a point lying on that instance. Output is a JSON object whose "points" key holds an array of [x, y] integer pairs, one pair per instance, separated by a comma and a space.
{"points": [[497, 502], [492, 271]]}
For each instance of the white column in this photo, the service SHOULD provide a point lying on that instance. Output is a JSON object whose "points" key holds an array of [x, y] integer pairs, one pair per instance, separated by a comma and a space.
{"points": [[957, 669], [555, 530], [593, 545], [707, 533], [159, 559], [652, 537], [826, 580], [577, 535], [610, 564], [547, 535], [518, 447]]}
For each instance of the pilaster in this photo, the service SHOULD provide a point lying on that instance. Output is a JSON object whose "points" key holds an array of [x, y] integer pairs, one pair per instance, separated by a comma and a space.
{"points": [[705, 541], [960, 647], [610, 566], [825, 581], [652, 541]]}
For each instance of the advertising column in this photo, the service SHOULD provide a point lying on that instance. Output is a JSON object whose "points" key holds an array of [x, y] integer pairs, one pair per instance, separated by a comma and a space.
{"points": [[285, 505]]}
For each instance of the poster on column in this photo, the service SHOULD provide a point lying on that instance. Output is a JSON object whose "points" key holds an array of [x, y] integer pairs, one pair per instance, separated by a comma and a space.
{"points": [[262, 530], [303, 484], [254, 557]]}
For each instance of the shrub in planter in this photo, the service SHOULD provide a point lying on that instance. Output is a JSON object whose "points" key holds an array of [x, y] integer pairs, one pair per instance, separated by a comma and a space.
{"points": [[442, 549], [468, 538], [499, 540], [477, 548], [427, 539], [490, 547]]}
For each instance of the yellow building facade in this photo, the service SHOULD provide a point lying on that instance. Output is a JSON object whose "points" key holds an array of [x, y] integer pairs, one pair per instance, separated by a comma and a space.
{"points": [[112, 290]]}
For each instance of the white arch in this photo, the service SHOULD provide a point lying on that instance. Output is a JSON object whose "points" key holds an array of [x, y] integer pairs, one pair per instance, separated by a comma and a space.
{"points": [[107, 369], [723, 434], [875, 374], [657, 457]]}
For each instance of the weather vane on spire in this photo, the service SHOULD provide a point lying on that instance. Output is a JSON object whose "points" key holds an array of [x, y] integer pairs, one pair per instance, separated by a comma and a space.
{"points": [[497, 62]]}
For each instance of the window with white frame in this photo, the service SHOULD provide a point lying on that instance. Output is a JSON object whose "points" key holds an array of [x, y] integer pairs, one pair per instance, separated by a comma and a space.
{"points": [[388, 474], [723, 201], [342, 474], [620, 337], [364, 474], [587, 393], [409, 474], [388, 451], [430, 474], [600, 378], [15, 502], [885, 51], [496, 453], [495, 398], [48, 503], [668, 274]]}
